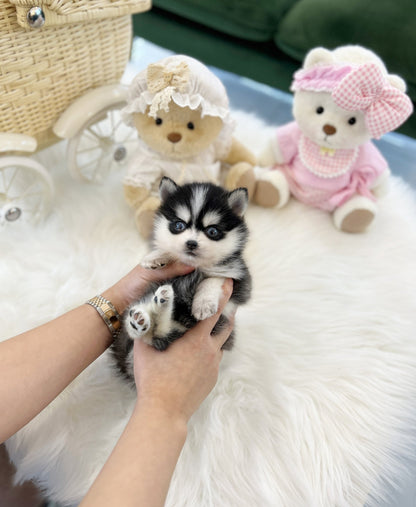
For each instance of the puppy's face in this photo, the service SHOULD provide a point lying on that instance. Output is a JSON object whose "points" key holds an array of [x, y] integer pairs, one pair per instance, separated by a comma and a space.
{"points": [[201, 225], [178, 133]]}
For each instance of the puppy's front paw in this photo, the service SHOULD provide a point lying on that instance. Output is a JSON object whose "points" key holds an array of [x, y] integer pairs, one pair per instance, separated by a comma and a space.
{"points": [[202, 309], [138, 323], [153, 261]]}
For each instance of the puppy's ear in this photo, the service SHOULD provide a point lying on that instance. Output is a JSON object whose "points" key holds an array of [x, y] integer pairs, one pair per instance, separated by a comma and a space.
{"points": [[166, 188], [238, 201]]}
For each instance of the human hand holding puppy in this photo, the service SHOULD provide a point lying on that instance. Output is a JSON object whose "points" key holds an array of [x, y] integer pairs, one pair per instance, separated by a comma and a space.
{"points": [[36, 367], [170, 387], [178, 380]]}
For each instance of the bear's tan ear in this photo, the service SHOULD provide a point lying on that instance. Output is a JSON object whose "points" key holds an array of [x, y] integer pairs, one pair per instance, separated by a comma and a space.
{"points": [[318, 56], [397, 82]]}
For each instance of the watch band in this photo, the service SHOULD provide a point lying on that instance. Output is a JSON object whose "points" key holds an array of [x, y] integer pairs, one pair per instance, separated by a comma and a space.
{"points": [[108, 313]]}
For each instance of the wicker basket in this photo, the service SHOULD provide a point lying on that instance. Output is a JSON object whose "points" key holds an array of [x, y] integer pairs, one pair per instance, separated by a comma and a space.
{"points": [[83, 44]]}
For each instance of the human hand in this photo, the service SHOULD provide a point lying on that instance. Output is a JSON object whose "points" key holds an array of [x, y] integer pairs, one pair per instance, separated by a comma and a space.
{"points": [[179, 379], [132, 286]]}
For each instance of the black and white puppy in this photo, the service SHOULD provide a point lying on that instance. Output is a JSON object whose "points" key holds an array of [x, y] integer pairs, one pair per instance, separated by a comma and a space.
{"points": [[202, 225]]}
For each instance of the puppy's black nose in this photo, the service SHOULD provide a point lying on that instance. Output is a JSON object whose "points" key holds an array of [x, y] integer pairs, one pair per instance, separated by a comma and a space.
{"points": [[191, 245]]}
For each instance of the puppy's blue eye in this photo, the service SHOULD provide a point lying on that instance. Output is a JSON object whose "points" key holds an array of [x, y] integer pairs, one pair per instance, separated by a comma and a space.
{"points": [[212, 232], [177, 227]]}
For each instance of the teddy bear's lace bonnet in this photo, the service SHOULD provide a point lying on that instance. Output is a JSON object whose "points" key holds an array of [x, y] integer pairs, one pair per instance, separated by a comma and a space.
{"points": [[185, 81]]}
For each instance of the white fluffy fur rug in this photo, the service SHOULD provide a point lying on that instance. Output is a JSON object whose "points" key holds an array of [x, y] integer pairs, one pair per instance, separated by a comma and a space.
{"points": [[315, 406]]}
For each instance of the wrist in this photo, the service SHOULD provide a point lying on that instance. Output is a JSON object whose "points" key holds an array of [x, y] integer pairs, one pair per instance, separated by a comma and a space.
{"points": [[117, 298], [161, 416], [128, 289]]}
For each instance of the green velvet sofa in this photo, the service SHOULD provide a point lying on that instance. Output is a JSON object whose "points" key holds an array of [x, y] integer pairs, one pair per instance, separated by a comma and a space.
{"points": [[267, 40]]}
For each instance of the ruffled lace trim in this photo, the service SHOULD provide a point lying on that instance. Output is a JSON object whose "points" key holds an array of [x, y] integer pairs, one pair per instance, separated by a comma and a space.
{"points": [[224, 139], [195, 101]]}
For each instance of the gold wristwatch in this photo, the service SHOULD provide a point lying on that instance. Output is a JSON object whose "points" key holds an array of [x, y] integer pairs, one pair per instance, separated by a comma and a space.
{"points": [[108, 313]]}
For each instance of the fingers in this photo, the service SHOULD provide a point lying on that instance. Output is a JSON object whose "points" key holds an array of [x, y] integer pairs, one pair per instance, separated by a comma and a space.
{"points": [[169, 271], [222, 336]]}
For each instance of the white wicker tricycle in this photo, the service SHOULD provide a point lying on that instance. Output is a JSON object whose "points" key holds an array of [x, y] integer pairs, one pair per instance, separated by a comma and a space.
{"points": [[60, 69]]}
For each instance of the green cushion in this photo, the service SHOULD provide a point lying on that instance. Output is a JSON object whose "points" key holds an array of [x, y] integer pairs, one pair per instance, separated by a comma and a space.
{"points": [[261, 61], [249, 19], [385, 26]]}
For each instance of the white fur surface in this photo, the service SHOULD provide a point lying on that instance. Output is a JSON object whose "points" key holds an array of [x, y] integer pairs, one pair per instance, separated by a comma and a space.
{"points": [[315, 406]]}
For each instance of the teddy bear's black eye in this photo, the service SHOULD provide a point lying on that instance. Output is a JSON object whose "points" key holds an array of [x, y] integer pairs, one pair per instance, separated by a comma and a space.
{"points": [[352, 120], [319, 110], [158, 121], [191, 126]]}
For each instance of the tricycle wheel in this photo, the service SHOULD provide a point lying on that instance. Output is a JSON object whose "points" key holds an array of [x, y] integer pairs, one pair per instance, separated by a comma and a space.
{"points": [[102, 145], [26, 190]]}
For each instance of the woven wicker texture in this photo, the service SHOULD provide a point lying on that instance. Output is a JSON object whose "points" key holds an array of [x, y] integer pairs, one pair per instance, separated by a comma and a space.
{"points": [[58, 12], [42, 71]]}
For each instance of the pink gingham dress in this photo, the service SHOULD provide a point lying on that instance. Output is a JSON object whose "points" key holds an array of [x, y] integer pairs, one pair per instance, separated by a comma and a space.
{"points": [[327, 179]]}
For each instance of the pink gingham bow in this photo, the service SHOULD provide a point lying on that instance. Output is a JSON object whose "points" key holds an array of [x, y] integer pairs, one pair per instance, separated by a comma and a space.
{"points": [[366, 89]]}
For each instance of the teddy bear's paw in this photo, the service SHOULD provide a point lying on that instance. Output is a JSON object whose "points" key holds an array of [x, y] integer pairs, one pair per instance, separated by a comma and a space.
{"points": [[355, 215], [241, 175], [357, 221], [145, 215], [144, 223], [135, 195], [272, 189]]}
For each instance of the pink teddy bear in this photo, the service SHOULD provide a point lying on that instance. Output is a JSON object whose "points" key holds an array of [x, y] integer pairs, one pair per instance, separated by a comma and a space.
{"points": [[342, 99]]}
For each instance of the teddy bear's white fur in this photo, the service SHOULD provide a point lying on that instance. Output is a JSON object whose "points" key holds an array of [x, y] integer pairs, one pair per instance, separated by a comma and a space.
{"points": [[181, 112], [327, 135]]}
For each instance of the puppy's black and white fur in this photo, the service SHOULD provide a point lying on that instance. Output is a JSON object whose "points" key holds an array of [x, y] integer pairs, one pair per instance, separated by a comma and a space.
{"points": [[202, 225]]}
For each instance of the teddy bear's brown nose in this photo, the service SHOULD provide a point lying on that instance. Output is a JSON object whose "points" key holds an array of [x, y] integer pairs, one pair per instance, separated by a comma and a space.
{"points": [[329, 129], [174, 137]]}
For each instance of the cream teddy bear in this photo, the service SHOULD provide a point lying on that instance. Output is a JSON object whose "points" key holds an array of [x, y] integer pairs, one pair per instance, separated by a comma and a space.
{"points": [[342, 99], [181, 112]]}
